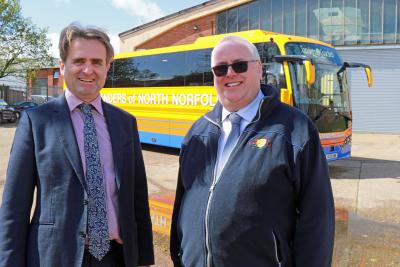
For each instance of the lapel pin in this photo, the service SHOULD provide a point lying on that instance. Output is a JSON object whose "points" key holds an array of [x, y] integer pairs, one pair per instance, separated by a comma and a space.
{"points": [[260, 143]]}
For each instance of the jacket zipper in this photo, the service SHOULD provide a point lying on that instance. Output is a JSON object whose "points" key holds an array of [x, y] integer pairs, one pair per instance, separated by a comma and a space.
{"points": [[276, 250], [211, 194], [208, 249]]}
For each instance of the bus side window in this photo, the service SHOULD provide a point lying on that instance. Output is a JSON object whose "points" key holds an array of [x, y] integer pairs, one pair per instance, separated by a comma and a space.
{"points": [[272, 71], [127, 73], [198, 68], [109, 79], [166, 70]]}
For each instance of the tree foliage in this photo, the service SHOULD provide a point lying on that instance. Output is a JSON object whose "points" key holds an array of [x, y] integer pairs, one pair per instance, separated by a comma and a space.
{"points": [[23, 46]]}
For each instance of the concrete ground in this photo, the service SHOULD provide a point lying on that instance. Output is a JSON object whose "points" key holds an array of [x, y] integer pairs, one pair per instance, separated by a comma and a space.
{"points": [[366, 190], [6, 138]]}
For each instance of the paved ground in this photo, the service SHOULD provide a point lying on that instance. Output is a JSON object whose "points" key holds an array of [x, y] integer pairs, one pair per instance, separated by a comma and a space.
{"points": [[367, 198], [366, 189]]}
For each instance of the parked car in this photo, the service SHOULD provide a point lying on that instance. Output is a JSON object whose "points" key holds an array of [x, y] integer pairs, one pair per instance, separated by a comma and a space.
{"points": [[7, 113], [40, 99], [23, 105]]}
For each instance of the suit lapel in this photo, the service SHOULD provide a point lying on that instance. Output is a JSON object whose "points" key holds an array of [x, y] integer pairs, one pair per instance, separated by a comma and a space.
{"points": [[63, 124], [117, 139]]}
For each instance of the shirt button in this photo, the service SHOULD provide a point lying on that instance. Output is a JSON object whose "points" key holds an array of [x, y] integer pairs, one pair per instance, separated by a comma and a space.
{"points": [[85, 202]]}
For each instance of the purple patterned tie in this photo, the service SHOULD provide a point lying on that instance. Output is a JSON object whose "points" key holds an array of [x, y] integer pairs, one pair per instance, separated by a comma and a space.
{"points": [[99, 243]]}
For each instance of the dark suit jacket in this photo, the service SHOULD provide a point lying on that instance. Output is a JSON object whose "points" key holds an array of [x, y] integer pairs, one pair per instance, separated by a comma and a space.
{"points": [[45, 156]]}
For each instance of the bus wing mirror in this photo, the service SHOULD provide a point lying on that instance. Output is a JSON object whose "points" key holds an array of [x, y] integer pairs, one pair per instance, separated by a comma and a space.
{"points": [[367, 70], [310, 72], [369, 76]]}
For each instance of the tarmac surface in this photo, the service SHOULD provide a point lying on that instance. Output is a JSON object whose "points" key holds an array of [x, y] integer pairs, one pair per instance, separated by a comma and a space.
{"points": [[366, 189]]}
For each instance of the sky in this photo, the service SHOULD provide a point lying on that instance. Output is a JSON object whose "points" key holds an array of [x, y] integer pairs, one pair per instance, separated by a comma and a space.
{"points": [[115, 16]]}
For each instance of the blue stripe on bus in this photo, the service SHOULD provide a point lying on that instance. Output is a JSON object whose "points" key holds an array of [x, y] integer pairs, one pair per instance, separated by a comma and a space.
{"points": [[160, 139], [332, 153]]}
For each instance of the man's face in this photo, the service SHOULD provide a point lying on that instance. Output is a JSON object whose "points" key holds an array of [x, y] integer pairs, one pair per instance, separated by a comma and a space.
{"points": [[85, 68], [236, 90]]}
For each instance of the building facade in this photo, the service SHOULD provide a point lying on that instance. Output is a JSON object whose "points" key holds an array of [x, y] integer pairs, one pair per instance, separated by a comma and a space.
{"points": [[365, 31], [46, 84]]}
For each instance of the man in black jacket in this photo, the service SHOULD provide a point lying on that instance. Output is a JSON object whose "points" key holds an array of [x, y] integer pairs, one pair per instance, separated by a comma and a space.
{"points": [[253, 186]]}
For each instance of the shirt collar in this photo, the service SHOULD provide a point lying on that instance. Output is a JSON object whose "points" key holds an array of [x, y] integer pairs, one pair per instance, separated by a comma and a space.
{"points": [[73, 102], [248, 112]]}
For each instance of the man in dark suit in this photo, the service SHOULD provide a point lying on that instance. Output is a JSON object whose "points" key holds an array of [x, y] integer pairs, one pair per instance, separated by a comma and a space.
{"points": [[84, 159]]}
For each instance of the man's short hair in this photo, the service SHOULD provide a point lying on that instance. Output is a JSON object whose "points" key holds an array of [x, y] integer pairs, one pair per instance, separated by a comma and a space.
{"points": [[76, 31], [237, 39]]}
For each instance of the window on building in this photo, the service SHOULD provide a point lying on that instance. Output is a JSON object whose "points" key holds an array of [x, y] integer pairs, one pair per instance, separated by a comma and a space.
{"points": [[265, 14], [243, 18], [325, 20], [337, 22], [301, 17], [351, 22], [40, 86], [288, 16], [277, 16], [312, 19], [221, 22], [340, 22], [389, 16], [232, 20], [254, 15], [376, 21], [398, 22], [364, 15]]}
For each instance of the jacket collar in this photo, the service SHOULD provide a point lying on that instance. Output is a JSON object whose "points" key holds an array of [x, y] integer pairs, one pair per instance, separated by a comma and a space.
{"points": [[117, 137], [66, 133], [270, 100]]}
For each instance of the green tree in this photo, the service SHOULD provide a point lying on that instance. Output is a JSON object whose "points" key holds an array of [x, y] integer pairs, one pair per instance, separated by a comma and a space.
{"points": [[23, 46]]}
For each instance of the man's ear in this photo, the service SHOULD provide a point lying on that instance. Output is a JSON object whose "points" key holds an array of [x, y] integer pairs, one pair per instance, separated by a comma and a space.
{"points": [[62, 67], [260, 70]]}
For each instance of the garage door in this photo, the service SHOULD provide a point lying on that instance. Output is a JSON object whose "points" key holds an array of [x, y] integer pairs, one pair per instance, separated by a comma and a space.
{"points": [[375, 109]]}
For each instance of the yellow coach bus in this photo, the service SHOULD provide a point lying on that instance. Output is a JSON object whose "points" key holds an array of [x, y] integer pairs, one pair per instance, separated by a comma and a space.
{"points": [[167, 89]]}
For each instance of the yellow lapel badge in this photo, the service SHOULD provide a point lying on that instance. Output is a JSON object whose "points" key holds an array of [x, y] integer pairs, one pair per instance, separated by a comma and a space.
{"points": [[260, 143]]}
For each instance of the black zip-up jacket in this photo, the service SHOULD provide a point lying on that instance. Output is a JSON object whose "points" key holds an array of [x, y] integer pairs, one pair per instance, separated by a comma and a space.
{"points": [[271, 206]]}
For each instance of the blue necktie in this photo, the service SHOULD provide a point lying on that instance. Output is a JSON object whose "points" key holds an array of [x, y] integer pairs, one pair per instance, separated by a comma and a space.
{"points": [[99, 243], [230, 142]]}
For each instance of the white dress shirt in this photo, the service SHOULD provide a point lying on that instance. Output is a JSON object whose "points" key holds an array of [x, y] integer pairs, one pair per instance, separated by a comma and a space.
{"points": [[247, 113]]}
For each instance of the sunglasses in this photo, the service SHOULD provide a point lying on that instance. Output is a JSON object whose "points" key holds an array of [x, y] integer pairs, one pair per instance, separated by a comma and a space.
{"points": [[238, 67]]}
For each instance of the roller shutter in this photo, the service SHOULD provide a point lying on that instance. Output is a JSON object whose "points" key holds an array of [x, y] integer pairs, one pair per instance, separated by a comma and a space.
{"points": [[375, 109]]}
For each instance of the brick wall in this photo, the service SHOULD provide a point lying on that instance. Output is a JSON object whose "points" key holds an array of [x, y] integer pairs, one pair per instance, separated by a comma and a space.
{"points": [[54, 85], [49, 74], [183, 34]]}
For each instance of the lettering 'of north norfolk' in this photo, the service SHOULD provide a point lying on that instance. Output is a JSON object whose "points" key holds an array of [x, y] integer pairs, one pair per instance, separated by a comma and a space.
{"points": [[205, 100]]}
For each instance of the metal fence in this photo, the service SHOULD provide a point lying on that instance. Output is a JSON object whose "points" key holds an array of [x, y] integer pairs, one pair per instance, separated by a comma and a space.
{"points": [[13, 94]]}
